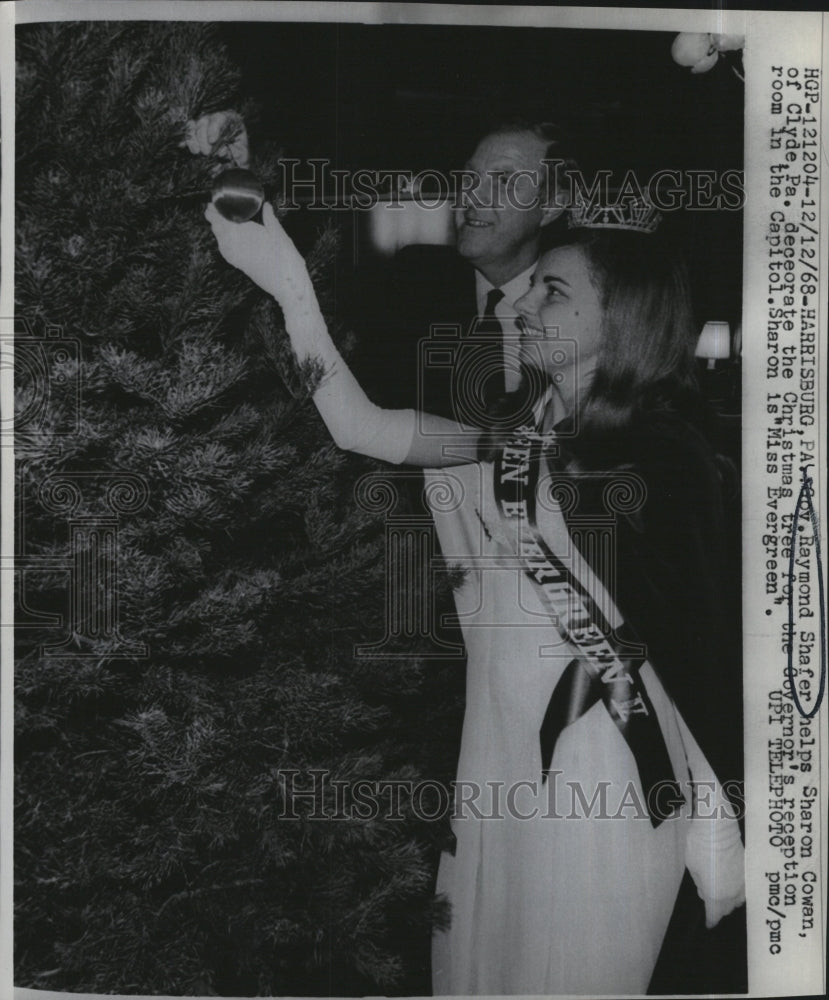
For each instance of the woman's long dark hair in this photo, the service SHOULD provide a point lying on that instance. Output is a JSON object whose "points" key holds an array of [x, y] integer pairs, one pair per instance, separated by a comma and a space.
{"points": [[646, 357]]}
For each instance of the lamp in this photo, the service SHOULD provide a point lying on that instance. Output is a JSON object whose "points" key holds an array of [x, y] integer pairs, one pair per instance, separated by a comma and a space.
{"points": [[714, 342], [392, 225], [409, 213]]}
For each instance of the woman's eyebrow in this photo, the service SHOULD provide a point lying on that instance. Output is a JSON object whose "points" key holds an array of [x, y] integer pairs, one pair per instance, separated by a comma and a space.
{"points": [[549, 279]]}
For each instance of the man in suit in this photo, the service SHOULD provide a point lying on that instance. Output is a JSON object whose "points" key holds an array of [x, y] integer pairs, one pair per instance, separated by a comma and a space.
{"points": [[508, 201]]}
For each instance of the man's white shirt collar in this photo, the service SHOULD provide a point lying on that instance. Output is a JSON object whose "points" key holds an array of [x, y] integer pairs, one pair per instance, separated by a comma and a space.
{"points": [[512, 290]]}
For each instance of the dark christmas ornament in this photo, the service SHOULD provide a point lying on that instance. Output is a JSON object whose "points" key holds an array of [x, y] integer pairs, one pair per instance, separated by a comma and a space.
{"points": [[238, 195]]}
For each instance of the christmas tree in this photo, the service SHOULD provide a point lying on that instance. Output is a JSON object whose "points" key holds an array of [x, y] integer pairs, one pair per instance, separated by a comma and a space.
{"points": [[195, 570]]}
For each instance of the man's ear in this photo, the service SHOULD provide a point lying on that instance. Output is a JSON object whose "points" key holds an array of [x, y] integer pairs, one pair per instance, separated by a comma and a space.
{"points": [[552, 212]]}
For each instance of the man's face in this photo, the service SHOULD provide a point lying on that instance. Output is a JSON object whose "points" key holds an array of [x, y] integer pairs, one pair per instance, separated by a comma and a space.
{"points": [[499, 221]]}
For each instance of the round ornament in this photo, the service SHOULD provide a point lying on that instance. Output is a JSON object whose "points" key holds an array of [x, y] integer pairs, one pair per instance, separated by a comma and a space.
{"points": [[238, 194]]}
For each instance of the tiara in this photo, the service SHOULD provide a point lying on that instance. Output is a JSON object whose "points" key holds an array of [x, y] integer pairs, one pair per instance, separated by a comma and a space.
{"points": [[633, 215]]}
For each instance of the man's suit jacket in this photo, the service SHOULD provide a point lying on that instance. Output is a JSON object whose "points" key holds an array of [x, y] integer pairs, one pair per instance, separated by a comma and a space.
{"points": [[393, 308]]}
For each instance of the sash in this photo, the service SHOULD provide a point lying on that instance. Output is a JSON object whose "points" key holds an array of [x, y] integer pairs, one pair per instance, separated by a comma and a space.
{"points": [[599, 671]]}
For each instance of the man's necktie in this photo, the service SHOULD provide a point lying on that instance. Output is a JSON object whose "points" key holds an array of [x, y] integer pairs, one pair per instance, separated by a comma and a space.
{"points": [[490, 327]]}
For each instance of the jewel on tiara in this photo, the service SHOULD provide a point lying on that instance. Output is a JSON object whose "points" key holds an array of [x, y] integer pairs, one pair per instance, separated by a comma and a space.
{"points": [[635, 216]]}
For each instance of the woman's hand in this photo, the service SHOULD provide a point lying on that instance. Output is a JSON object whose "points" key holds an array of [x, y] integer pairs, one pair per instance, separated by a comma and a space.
{"points": [[267, 255], [715, 857], [221, 134], [253, 248]]}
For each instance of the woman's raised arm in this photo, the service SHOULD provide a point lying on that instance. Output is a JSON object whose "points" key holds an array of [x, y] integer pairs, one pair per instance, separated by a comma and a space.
{"points": [[268, 256]]}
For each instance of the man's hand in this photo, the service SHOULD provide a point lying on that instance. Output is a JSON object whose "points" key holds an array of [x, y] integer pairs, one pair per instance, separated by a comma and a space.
{"points": [[221, 134]]}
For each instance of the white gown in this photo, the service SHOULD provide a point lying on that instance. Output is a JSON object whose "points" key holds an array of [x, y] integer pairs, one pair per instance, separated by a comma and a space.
{"points": [[547, 904]]}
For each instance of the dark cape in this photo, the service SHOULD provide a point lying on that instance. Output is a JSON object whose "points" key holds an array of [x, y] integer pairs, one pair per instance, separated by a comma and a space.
{"points": [[676, 581]]}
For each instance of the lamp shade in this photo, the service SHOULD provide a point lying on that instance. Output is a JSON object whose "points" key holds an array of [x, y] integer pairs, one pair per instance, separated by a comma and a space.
{"points": [[715, 341], [410, 220]]}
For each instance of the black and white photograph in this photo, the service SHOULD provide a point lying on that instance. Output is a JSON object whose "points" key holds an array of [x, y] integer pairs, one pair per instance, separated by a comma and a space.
{"points": [[386, 503]]}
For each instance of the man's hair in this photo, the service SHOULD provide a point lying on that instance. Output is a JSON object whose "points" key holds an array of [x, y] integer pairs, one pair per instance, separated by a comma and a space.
{"points": [[560, 153]]}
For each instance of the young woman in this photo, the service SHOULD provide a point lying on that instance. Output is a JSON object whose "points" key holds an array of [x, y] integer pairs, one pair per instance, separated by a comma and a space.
{"points": [[594, 611]]}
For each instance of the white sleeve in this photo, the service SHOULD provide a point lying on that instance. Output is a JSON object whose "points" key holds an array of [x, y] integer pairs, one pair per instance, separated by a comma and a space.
{"points": [[355, 423]]}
